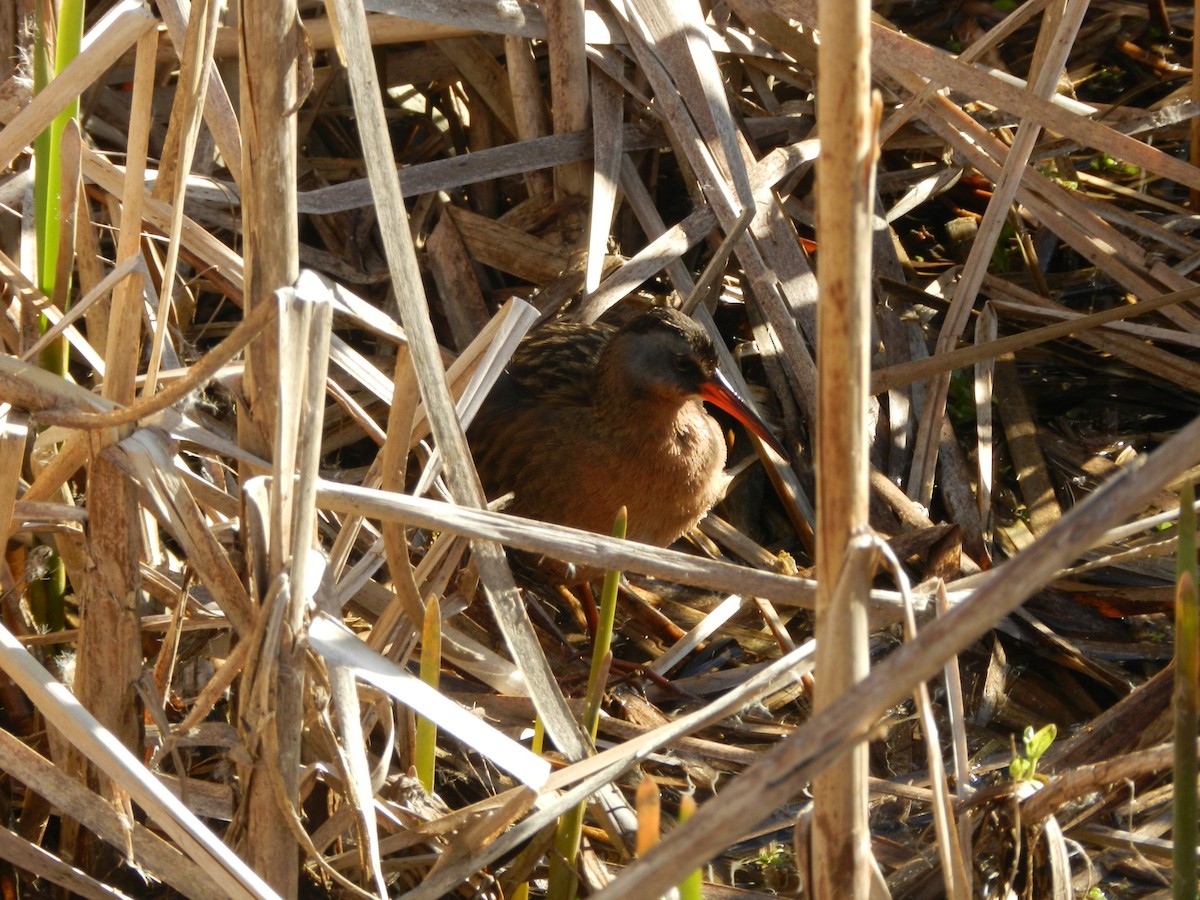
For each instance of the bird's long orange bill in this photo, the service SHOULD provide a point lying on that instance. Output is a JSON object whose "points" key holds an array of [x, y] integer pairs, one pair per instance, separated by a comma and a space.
{"points": [[720, 392]]}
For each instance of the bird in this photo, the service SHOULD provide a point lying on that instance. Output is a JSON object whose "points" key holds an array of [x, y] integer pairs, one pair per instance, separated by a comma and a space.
{"points": [[587, 418]]}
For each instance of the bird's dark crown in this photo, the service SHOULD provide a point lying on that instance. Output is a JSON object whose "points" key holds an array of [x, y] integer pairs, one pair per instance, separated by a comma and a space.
{"points": [[662, 353]]}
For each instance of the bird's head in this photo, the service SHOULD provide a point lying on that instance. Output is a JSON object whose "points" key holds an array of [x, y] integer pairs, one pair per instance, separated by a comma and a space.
{"points": [[664, 357], [659, 356]]}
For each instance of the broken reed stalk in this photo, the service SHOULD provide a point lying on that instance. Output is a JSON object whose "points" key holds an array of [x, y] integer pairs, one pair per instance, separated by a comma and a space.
{"points": [[1187, 702], [1194, 91], [268, 79], [845, 201]]}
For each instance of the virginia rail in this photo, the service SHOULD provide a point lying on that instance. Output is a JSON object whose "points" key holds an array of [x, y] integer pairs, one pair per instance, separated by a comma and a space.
{"points": [[588, 418]]}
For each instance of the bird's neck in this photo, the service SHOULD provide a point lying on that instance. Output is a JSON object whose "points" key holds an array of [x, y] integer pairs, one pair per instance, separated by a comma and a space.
{"points": [[652, 421]]}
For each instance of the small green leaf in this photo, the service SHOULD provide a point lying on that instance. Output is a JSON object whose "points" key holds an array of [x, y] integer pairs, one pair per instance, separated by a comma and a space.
{"points": [[1018, 769], [1034, 744], [1038, 742]]}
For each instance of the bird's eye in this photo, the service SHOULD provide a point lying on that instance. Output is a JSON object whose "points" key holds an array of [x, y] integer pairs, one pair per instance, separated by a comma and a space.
{"points": [[682, 362]]}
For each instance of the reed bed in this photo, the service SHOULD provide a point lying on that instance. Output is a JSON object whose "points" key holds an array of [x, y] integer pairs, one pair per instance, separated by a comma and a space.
{"points": [[291, 240]]}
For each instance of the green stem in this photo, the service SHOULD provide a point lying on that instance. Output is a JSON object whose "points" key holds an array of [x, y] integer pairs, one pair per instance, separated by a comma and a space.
{"points": [[563, 879], [691, 886], [48, 145], [425, 751], [47, 596]]}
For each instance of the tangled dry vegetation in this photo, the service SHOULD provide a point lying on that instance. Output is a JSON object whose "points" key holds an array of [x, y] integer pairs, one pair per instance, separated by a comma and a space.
{"points": [[245, 644]]}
